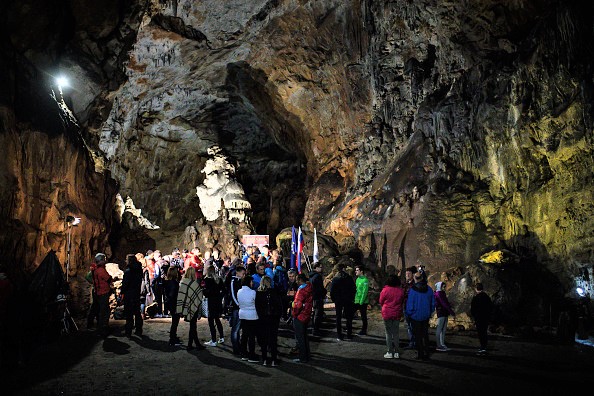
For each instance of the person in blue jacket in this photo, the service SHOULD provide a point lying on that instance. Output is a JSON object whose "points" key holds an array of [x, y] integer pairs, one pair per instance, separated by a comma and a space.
{"points": [[419, 307]]}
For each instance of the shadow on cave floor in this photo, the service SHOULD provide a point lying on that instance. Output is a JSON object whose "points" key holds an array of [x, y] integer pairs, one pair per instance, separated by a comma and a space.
{"points": [[121, 365]]}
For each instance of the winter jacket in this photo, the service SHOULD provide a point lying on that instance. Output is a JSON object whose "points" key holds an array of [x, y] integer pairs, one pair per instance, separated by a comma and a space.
{"points": [[189, 298], [480, 307], [101, 281], [343, 289], [269, 304], [170, 292], [362, 296], [420, 303], [132, 283], [303, 303], [442, 305], [213, 290], [392, 301], [247, 303], [317, 284]]}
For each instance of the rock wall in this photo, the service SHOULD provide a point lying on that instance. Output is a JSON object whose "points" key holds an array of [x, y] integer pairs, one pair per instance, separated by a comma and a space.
{"points": [[409, 132]]}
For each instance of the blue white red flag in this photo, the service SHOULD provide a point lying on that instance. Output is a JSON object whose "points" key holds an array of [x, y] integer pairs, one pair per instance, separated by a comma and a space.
{"points": [[299, 250], [293, 247]]}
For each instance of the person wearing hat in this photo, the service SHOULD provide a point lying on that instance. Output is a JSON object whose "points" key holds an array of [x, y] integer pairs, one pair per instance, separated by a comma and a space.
{"points": [[102, 284]]}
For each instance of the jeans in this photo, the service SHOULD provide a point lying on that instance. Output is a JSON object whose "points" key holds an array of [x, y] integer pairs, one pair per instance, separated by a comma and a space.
{"points": [[235, 324], [411, 334], [442, 325], [133, 318], [421, 332], [348, 314], [93, 311], [302, 340], [318, 315], [193, 335], [481, 328], [363, 309], [103, 321], [248, 338], [269, 338], [392, 334], [211, 326]]}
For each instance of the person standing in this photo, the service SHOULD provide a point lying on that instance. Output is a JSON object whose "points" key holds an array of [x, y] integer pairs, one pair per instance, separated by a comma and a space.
{"points": [[234, 321], [102, 284], [269, 307], [248, 315], [480, 309], [408, 284], [319, 294], [188, 305], [342, 292], [213, 291], [302, 306], [131, 289], [392, 301], [362, 297], [94, 308], [443, 310], [419, 307], [170, 292]]}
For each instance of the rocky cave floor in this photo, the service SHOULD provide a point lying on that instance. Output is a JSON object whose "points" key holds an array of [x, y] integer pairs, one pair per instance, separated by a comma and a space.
{"points": [[85, 363]]}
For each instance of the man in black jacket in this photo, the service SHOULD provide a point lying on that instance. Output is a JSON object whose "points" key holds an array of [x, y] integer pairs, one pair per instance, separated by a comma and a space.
{"points": [[342, 292], [319, 294], [480, 309], [131, 286]]}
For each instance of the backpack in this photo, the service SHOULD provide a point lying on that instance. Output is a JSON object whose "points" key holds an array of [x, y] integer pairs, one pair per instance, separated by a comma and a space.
{"points": [[281, 280]]}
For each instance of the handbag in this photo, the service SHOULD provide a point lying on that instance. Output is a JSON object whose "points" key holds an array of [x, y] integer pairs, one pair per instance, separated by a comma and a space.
{"points": [[205, 307]]}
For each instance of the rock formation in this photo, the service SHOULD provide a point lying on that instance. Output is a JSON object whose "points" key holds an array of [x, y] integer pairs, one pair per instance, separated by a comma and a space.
{"points": [[410, 132]]}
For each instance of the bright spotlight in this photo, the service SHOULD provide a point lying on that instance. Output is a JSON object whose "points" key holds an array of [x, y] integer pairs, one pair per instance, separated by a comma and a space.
{"points": [[62, 82], [580, 292]]}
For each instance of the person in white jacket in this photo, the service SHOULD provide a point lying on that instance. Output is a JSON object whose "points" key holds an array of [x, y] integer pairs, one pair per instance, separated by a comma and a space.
{"points": [[249, 320]]}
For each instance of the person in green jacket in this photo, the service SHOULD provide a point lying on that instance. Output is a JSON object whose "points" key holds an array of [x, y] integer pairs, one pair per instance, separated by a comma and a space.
{"points": [[362, 298]]}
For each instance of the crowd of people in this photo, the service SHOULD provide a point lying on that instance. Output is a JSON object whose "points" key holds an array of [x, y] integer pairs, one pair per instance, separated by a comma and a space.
{"points": [[256, 294]]}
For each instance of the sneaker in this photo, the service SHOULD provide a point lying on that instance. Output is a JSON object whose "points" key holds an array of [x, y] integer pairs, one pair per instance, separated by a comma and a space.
{"points": [[210, 343], [297, 361], [244, 358], [274, 364], [339, 339], [481, 351], [253, 360], [396, 356], [158, 316], [362, 332], [264, 364], [389, 355], [441, 349], [221, 340]]}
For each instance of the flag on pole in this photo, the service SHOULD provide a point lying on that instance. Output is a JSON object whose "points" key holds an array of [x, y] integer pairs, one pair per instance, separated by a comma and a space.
{"points": [[299, 250], [293, 247], [316, 254]]}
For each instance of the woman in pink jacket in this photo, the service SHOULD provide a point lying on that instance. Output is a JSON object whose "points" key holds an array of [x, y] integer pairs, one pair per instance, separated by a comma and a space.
{"points": [[392, 301]]}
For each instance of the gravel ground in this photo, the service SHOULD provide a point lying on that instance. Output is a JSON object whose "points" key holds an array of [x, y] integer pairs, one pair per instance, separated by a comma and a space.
{"points": [[86, 364]]}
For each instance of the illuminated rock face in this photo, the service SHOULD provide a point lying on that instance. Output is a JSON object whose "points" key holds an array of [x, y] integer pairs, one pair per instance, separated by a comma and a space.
{"points": [[410, 132]]}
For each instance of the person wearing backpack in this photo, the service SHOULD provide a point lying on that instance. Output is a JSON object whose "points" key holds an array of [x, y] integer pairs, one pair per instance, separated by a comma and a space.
{"points": [[269, 307]]}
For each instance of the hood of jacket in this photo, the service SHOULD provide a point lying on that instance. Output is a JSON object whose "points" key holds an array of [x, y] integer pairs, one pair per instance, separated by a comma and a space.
{"points": [[421, 287]]}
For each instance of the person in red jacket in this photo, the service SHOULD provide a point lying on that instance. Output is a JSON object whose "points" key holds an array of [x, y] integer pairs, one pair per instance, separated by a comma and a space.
{"points": [[392, 301], [302, 306], [102, 284]]}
